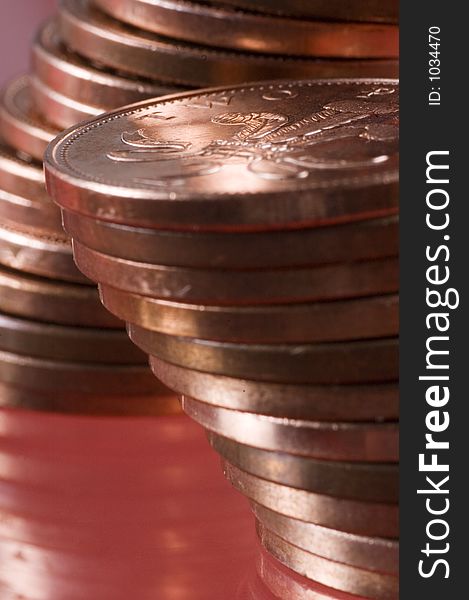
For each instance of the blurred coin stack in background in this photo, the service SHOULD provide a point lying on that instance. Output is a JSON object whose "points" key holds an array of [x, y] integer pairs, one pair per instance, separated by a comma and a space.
{"points": [[252, 249], [253, 326]]}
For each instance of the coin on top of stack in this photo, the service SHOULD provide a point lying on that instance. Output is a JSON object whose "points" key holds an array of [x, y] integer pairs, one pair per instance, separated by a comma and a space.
{"points": [[248, 235]]}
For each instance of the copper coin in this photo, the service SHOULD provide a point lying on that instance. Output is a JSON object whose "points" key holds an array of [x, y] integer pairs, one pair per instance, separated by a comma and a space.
{"points": [[47, 256], [99, 38], [182, 168], [60, 111], [305, 402], [21, 127], [34, 215], [89, 84], [365, 583], [22, 176], [374, 361], [369, 239], [358, 481], [42, 299], [351, 516], [318, 322], [159, 403], [57, 376], [386, 11], [23, 196], [239, 30], [76, 344], [267, 286], [369, 553], [288, 585], [352, 442], [268, 156]]}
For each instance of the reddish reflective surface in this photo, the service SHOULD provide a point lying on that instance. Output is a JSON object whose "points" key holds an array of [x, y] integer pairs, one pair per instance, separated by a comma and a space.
{"points": [[114, 508]]}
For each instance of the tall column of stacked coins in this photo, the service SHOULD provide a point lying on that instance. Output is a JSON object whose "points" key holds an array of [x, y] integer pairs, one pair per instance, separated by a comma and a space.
{"points": [[248, 236], [243, 349]]}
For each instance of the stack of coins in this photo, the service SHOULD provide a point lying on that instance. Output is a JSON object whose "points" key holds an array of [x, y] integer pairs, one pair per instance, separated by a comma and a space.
{"points": [[248, 235], [96, 56], [59, 349]]}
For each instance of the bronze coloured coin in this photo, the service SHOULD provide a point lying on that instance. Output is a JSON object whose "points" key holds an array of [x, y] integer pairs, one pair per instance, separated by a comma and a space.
{"points": [[292, 401], [386, 11], [347, 578], [220, 287], [83, 82], [284, 583], [30, 214], [365, 318], [21, 176], [369, 361], [362, 518], [369, 553], [21, 127], [371, 482], [76, 344], [50, 301], [47, 256], [99, 38], [352, 442], [370, 239], [269, 156], [160, 403], [57, 376], [253, 32], [60, 111]]}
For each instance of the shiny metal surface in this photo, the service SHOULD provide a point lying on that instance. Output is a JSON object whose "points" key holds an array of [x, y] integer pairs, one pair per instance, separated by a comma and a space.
{"points": [[365, 318], [353, 442], [374, 361], [369, 239], [68, 74], [22, 128], [294, 401], [365, 583], [223, 27], [223, 287], [99, 38], [374, 482], [351, 516], [369, 553], [46, 300], [229, 159], [47, 256]]}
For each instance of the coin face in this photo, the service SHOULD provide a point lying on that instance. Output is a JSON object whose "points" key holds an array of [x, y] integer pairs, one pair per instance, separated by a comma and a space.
{"points": [[271, 155]]}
